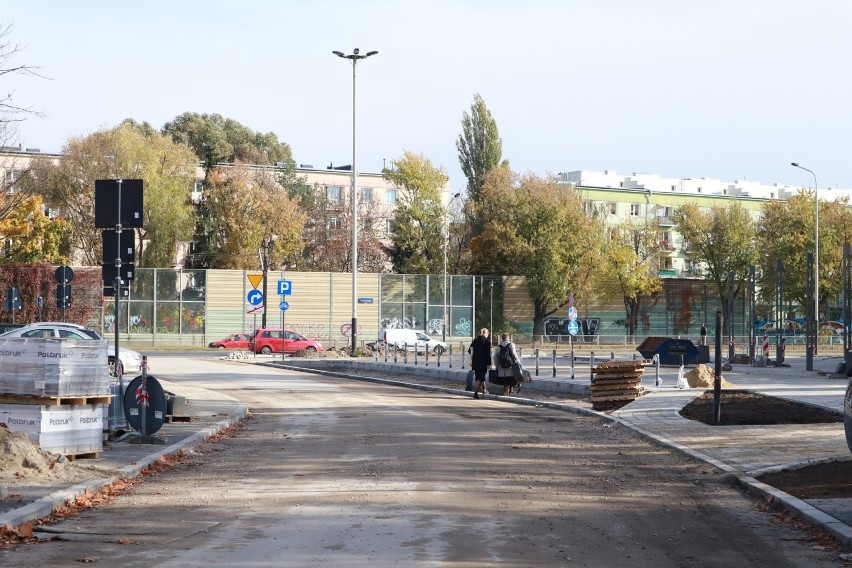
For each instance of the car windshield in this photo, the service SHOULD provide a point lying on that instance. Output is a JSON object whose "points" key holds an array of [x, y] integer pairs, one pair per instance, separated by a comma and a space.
{"points": [[91, 333]]}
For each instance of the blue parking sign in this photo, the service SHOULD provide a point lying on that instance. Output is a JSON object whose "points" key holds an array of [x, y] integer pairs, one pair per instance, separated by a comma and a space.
{"points": [[285, 287]]}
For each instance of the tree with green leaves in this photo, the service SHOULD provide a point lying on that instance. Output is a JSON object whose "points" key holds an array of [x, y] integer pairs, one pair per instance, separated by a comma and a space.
{"points": [[786, 232], [418, 241], [480, 151], [124, 152], [723, 239], [216, 139], [537, 230], [247, 210], [630, 267]]}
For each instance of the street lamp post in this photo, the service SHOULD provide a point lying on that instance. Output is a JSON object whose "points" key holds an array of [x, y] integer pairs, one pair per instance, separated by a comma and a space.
{"points": [[491, 323], [355, 57], [816, 257], [264, 266], [446, 245]]}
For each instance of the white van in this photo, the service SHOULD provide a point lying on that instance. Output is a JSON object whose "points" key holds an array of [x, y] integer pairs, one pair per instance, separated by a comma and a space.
{"points": [[412, 338]]}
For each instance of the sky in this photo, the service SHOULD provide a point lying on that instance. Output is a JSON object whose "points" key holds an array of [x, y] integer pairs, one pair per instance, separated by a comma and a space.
{"points": [[728, 89]]}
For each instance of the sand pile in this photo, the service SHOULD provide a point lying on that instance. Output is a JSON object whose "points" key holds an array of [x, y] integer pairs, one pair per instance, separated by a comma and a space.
{"points": [[702, 377], [21, 459]]}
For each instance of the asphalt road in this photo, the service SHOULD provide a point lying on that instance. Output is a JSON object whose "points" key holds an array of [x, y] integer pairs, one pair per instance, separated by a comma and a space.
{"points": [[341, 473]]}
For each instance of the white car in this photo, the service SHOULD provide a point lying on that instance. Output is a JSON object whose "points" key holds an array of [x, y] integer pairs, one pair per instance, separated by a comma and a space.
{"points": [[131, 361], [411, 339]]}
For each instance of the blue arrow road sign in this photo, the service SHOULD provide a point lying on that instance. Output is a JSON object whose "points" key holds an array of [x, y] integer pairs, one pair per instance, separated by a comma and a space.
{"points": [[255, 297], [284, 306], [285, 287]]}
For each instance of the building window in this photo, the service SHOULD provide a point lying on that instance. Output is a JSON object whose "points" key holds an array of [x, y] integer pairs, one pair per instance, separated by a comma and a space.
{"points": [[366, 194], [12, 175], [390, 225], [613, 208], [587, 208], [334, 222], [332, 193], [390, 197], [634, 209]]}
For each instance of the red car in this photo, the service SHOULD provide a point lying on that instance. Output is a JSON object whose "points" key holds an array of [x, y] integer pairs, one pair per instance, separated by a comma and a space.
{"points": [[268, 341], [235, 341]]}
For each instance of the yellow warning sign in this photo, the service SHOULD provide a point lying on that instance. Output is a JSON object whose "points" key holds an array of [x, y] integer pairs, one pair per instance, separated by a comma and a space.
{"points": [[255, 279]]}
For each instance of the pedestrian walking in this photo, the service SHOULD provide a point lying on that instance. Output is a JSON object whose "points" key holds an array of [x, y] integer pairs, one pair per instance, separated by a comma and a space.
{"points": [[703, 334], [504, 356], [480, 360]]}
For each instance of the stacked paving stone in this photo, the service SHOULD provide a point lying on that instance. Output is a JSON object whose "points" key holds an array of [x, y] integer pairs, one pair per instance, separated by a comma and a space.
{"points": [[616, 383], [54, 390]]}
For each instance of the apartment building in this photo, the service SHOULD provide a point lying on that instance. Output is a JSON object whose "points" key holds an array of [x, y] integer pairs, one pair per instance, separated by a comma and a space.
{"points": [[375, 193], [649, 197]]}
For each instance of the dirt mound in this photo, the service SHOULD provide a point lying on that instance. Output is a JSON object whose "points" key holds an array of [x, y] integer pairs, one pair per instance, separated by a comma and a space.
{"points": [[21, 459], [702, 377]]}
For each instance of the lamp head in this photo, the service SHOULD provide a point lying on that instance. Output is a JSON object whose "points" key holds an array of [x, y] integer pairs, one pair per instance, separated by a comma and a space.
{"points": [[794, 164], [338, 53]]}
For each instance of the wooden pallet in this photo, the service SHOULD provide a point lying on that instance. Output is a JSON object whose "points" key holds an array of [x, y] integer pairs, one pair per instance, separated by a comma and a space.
{"points": [[53, 400], [170, 418], [85, 456]]}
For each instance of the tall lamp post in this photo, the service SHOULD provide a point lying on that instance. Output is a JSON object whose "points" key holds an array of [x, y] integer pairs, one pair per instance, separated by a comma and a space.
{"points": [[491, 323], [355, 57], [446, 245], [816, 256]]}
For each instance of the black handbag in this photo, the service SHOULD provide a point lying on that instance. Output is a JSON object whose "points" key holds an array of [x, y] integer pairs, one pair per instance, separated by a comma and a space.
{"points": [[492, 376], [517, 373]]}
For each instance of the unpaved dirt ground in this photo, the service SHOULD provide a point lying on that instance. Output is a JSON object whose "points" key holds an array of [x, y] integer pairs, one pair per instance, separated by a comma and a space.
{"points": [[821, 481], [340, 473]]}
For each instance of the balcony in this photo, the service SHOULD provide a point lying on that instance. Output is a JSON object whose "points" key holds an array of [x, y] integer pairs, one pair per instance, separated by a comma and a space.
{"points": [[667, 273], [666, 247]]}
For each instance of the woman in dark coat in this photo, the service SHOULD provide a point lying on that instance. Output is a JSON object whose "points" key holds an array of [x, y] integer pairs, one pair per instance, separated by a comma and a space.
{"points": [[480, 360]]}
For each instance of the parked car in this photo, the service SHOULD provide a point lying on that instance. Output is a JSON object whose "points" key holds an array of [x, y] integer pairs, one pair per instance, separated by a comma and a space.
{"points": [[235, 341], [268, 341], [412, 339], [131, 361]]}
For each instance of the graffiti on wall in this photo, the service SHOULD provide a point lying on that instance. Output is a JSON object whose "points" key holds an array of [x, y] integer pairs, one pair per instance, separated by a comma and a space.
{"points": [[346, 330], [398, 323], [435, 327], [464, 328]]}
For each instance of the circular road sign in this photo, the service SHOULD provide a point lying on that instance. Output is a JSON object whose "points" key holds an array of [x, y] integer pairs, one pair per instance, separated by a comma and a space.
{"points": [[284, 306], [573, 328], [254, 297], [134, 405]]}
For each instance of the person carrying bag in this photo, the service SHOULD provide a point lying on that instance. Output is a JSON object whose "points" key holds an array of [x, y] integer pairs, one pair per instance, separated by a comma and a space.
{"points": [[507, 363]]}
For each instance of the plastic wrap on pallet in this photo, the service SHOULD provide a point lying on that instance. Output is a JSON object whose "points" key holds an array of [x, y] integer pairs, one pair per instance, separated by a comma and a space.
{"points": [[63, 429], [53, 367]]}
